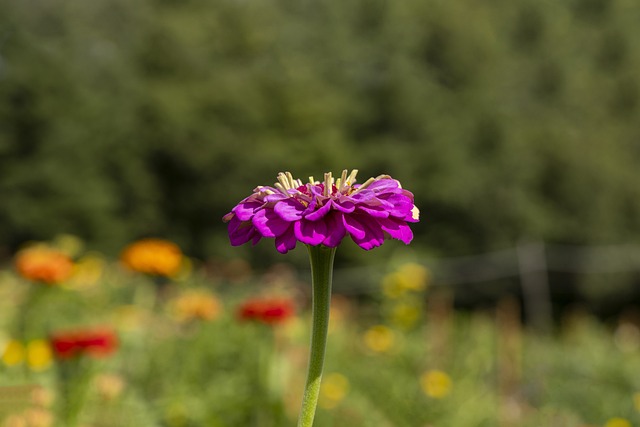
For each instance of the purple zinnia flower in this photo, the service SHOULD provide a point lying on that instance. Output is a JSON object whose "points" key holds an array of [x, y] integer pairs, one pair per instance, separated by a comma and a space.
{"points": [[323, 213]]}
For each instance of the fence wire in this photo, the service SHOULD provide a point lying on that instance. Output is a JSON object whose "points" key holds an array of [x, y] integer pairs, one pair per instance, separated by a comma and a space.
{"points": [[511, 263]]}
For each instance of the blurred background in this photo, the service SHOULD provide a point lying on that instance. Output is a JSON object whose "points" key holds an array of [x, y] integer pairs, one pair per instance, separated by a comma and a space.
{"points": [[515, 124], [512, 122]]}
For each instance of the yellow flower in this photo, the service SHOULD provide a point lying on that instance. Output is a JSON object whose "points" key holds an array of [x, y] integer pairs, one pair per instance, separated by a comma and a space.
{"points": [[436, 384], [39, 355], [405, 315], [13, 353], [379, 338], [410, 277], [43, 264], [196, 304], [154, 257], [334, 388], [617, 422], [88, 270], [392, 285], [416, 277]]}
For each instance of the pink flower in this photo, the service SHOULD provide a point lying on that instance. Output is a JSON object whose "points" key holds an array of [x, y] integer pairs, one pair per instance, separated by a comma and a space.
{"points": [[323, 213]]}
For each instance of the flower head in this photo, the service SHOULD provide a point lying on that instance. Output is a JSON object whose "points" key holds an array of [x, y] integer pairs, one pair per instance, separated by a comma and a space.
{"points": [[323, 213], [44, 264], [13, 353], [436, 384], [109, 386], [39, 355], [196, 304], [155, 257], [379, 338], [94, 342], [271, 311], [334, 389], [617, 422]]}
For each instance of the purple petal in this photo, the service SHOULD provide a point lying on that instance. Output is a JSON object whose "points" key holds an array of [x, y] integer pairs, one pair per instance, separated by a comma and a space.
{"points": [[384, 185], [373, 234], [400, 204], [286, 241], [335, 229], [353, 226], [240, 232], [374, 211], [397, 229], [316, 190], [289, 209], [363, 196], [343, 204], [268, 223], [312, 206], [310, 232], [318, 214], [245, 209], [276, 197], [408, 194]]}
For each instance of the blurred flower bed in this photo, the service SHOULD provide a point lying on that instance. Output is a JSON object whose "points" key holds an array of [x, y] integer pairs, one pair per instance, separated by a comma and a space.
{"points": [[156, 338]]}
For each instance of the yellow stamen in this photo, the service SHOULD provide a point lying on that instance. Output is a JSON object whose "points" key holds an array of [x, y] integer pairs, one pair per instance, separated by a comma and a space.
{"points": [[352, 178], [284, 182], [262, 189], [328, 183], [292, 182], [365, 185], [340, 182], [281, 188]]}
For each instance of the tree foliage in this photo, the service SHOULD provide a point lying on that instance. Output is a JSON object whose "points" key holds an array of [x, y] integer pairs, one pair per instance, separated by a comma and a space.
{"points": [[508, 120]]}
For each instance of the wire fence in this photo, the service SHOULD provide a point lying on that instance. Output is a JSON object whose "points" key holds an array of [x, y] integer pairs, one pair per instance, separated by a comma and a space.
{"points": [[530, 264], [514, 262]]}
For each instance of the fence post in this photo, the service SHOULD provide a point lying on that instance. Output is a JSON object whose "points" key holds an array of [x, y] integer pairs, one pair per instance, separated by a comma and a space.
{"points": [[532, 262], [509, 362]]}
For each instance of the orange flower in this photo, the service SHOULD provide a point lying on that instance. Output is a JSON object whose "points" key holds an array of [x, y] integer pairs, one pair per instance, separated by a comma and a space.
{"points": [[196, 304], [156, 257], [43, 264], [109, 386]]}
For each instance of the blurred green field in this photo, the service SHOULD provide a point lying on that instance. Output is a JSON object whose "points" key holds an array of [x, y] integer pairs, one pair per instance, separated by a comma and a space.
{"points": [[402, 357]]}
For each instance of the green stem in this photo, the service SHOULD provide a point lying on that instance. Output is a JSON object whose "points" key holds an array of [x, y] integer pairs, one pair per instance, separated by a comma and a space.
{"points": [[321, 259]]}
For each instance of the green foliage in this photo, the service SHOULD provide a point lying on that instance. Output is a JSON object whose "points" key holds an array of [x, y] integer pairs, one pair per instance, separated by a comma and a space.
{"points": [[507, 119], [225, 373]]}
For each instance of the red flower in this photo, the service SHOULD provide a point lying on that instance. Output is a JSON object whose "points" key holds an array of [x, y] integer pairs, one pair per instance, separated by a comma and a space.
{"points": [[270, 311], [94, 342]]}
